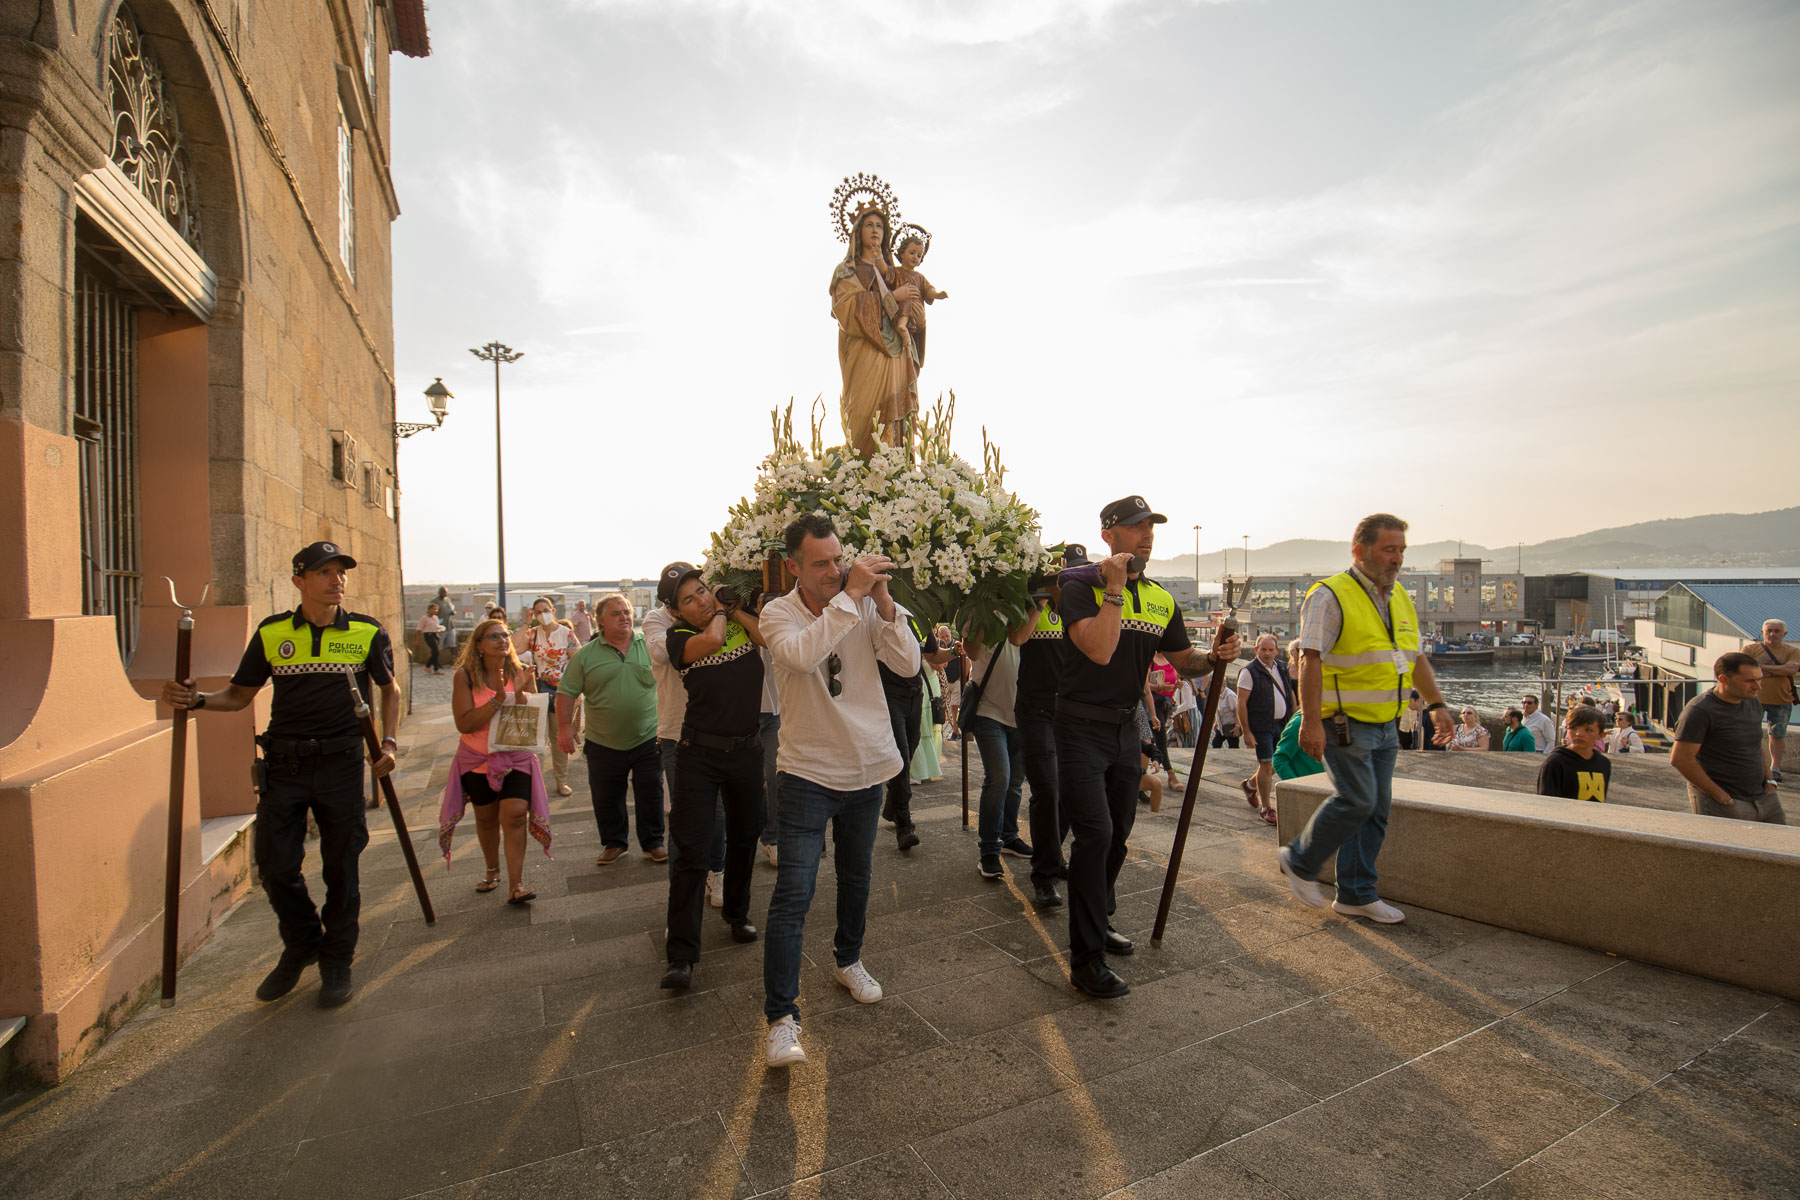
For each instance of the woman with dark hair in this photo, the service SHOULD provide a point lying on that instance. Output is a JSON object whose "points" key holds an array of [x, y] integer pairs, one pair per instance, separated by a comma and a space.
{"points": [[505, 786], [429, 629], [879, 371]]}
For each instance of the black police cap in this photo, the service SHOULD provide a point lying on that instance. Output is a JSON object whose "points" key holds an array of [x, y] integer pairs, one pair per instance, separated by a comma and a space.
{"points": [[1132, 510], [317, 555]]}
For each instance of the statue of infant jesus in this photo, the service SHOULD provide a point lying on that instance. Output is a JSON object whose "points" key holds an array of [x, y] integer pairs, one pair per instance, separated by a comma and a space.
{"points": [[911, 324]]}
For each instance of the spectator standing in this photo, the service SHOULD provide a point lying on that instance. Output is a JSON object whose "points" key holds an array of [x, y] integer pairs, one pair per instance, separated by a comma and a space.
{"points": [[547, 645], [1543, 729], [1623, 737], [1409, 722], [612, 679], [1719, 750], [431, 629], [1359, 639], [827, 638], [1228, 720], [905, 698], [1517, 736], [996, 733], [1780, 663], [1266, 695], [582, 623], [1471, 735], [1577, 771], [1291, 762]]}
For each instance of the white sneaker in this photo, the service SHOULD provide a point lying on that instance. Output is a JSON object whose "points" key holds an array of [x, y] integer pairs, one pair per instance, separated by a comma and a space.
{"points": [[715, 888], [1380, 911], [770, 854], [862, 985], [1306, 891], [784, 1043]]}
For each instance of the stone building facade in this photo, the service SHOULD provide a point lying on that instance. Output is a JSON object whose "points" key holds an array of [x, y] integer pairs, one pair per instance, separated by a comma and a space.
{"points": [[196, 378]]}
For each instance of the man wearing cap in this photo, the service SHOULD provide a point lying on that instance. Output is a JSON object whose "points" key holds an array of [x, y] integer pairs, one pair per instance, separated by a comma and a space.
{"points": [[1111, 633], [312, 760], [671, 710], [611, 676], [1039, 638]]}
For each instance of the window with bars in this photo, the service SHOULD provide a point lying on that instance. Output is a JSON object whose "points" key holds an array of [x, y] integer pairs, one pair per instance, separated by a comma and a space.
{"points": [[346, 195], [106, 425]]}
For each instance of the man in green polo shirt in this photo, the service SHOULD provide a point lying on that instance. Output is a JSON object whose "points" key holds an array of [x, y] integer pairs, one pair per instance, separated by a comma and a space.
{"points": [[612, 676]]}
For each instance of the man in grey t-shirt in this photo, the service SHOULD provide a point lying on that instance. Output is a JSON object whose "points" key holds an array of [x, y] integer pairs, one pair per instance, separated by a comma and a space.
{"points": [[1719, 749]]}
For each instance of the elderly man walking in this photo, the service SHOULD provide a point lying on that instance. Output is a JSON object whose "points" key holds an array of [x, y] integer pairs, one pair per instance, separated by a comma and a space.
{"points": [[1780, 662], [1359, 661], [611, 675], [826, 639], [1265, 698], [1718, 746]]}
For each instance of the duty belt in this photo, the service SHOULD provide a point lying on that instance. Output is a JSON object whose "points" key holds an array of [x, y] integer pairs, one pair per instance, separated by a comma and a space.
{"points": [[708, 741], [1093, 712], [278, 747]]}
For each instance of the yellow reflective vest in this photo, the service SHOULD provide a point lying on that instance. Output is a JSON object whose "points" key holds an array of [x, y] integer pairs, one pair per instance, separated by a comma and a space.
{"points": [[1368, 673]]}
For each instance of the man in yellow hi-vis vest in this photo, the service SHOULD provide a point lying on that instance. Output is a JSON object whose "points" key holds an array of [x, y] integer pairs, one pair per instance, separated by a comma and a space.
{"points": [[312, 759], [1360, 661]]}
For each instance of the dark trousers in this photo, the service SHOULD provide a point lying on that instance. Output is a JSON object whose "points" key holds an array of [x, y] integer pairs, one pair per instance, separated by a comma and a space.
{"points": [[770, 726], [708, 776], [1037, 745], [669, 754], [905, 713], [1097, 776], [610, 774], [331, 786], [1221, 738], [431, 644]]}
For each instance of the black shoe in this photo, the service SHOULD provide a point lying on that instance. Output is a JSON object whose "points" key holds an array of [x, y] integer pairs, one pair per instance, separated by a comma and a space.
{"points": [[743, 931], [281, 980], [990, 867], [1045, 896], [1116, 942], [1100, 983], [679, 977], [887, 812], [1062, 871], [1017, 848], [334, 984], [908, 837]]}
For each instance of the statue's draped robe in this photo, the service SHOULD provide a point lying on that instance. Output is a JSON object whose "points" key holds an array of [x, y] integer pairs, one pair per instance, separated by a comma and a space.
{"points": [[879, 373]]}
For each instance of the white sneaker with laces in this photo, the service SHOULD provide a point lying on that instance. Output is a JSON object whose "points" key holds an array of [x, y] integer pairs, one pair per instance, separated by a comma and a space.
{"points": [[1380, 911], [715, 888], [1306, 891], [862, 985], [784, 1043]]}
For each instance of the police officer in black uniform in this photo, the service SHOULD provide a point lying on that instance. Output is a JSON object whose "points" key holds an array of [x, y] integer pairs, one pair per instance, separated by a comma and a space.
{"points": [[906, 711], [1111, 632], [1039, 638], [312, 760]]}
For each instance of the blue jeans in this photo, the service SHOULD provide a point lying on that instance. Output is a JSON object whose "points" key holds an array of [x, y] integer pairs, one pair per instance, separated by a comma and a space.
{"points": [[1002, 781], [805, 807], [1353, 822]]}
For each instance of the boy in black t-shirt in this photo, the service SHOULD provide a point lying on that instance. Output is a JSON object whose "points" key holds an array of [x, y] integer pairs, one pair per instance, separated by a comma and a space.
{"points": [[1577, 771]]}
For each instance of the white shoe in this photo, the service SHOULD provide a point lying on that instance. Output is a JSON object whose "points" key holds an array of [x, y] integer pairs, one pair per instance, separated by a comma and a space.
{"points": [[769, 853], [715, 888], [784, 1043], [1380, 911], [1306, 891], [862, 985]]}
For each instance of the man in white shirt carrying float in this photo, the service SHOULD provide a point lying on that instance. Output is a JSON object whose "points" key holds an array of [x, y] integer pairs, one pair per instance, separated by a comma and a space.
{"points": [[825, 638]]}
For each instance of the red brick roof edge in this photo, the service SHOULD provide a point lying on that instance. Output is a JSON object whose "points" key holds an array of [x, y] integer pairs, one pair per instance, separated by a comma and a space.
{"points": [[412, 38]]}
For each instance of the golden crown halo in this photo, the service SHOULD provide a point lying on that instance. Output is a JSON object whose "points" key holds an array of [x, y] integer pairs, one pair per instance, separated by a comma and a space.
{"points": [[908, 231], [857, 195]]}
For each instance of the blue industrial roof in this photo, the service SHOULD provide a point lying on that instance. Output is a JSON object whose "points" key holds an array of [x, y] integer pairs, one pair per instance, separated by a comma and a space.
{"points": [[1748, 605]]}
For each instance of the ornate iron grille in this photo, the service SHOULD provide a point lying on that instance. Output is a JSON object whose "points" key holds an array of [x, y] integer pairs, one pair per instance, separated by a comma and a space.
{"points": [[147, 142], [106, 424]]}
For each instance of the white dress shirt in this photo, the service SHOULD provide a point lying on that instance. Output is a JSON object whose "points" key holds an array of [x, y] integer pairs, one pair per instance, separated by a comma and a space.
{"points": [[671, 695], [1543, 731], [843, 742]]}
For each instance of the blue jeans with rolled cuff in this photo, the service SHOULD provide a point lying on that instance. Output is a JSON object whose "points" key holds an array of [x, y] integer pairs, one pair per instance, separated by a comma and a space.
{"points": [[1002, 782], [1353, 823]]}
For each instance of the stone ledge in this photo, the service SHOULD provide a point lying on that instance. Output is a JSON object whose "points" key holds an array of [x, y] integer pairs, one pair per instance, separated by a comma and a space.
{"points": [[1697, 894]]}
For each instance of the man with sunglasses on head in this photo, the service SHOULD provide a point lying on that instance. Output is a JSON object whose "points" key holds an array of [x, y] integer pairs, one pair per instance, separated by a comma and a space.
{"points": [[826, 639]]}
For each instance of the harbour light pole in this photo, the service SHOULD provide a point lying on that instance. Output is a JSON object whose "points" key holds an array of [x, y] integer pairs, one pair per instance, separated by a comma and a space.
{"points": [[1197, 568], [1246, 556], [497, 353]]}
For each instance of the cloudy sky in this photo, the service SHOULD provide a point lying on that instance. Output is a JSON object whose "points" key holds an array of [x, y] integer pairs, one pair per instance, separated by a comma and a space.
{"points": [[1512, 270]]}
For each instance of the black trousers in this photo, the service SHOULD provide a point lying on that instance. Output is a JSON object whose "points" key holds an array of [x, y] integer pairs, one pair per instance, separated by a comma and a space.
{"points": [[905, 714], [331, 787], [431, 644], [704, 778], [610, 774], [1097, 776], [1049, 824]]}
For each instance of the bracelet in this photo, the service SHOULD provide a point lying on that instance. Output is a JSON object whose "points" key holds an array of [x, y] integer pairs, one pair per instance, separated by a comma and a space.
{"points": [[388, 741], [1117, 598]]}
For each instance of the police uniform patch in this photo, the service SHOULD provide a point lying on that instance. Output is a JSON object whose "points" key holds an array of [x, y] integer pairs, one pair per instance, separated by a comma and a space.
{"points": [[285, 650]]}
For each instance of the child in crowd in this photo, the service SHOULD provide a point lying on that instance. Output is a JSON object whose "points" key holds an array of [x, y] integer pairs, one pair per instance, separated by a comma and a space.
{"points": [[1577, 771]]}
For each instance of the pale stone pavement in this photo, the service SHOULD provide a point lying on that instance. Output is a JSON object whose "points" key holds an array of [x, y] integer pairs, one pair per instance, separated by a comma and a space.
{"points": [[1266, 1050]]}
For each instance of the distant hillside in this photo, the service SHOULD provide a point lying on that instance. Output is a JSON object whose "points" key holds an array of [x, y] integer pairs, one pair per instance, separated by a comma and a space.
{"points": [[1767, 539]]}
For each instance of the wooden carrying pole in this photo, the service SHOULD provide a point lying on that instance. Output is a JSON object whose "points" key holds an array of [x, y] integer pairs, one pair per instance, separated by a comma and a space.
{"points": [[393, 800], [1215, 686], [171, 949]]}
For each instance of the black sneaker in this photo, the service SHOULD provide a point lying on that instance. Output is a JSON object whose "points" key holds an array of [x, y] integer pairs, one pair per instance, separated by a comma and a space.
{"points": [[280, 981], [908, 837], [990, 867], [679, 977], [1017, 848], [743, 931], [1100, 983], [334, 984], [1116, 942], [1045, 896]]}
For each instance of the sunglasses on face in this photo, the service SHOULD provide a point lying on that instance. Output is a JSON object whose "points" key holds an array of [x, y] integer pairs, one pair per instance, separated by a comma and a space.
{"points": [[833, 684], [495, 636]]}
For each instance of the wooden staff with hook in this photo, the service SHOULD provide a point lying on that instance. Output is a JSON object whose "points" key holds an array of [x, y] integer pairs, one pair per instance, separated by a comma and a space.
{"points": [[184, 648], [393, 799]]}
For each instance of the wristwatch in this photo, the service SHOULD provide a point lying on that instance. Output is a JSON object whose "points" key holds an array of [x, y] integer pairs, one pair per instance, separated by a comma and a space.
{"points": [[1117, 598]]}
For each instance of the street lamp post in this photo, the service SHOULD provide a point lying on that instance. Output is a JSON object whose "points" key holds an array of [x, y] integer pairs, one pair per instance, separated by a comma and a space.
{"points": [[497, 353], [1246, 556], [1197, 605]]}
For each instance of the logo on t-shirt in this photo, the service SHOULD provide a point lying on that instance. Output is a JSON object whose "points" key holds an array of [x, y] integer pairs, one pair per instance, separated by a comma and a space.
{"points": [[1590, 785], [285, 650]]}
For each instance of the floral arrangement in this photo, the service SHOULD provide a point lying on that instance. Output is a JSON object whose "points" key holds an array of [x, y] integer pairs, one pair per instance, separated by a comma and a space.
{"points": [[965, 547]]}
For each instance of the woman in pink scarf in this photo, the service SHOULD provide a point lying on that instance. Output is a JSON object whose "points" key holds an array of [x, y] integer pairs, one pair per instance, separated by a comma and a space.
{"points": [[507, 786]]}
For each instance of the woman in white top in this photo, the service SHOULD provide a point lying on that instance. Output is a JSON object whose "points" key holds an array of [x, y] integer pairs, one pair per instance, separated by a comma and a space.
{"points": [[1623, 738], [545, 644], [430, 627]]}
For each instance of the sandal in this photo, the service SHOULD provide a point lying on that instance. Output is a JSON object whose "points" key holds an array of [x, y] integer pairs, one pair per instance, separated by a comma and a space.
{"points": [[521, 896], [490, 881], [1267, 814]]}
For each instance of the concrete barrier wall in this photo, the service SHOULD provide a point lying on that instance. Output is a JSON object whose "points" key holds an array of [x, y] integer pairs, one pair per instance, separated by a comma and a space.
{"points": [[1699, 894]]}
